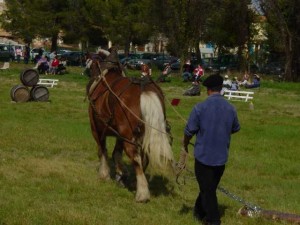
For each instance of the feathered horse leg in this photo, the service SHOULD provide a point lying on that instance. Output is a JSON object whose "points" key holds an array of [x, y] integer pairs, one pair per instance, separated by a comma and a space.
{"points": [[100, 138], [121, 176], [142, 190]]}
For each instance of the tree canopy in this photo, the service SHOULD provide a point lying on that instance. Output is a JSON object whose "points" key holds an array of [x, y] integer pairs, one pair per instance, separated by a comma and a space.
{"points": [[225, 24]]}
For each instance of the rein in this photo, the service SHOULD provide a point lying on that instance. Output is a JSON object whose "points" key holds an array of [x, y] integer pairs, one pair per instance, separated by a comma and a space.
{"points": [[92, 88]]}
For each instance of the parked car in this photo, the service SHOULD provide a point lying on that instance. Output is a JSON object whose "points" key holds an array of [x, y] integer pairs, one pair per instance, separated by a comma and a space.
{"points": [[125, 59], [273, 68], [175, 66], [74, 58], [209, 64], [6, 53], [62, 51], [161, 61], [137, 60], [226, 62], [35, 51]]}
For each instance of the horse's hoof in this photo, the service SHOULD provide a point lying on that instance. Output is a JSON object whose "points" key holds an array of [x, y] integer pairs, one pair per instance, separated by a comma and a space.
{"points": [[121, 180], [104, 177], [142, 198]]}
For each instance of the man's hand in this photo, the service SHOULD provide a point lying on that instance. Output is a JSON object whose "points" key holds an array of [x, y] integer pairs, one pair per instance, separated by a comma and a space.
{"points": [[180, 166], [185, 142]]}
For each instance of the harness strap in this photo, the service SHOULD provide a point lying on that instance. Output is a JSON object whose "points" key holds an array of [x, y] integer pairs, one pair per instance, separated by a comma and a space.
{"points": [[111, 128], [97, 81]]}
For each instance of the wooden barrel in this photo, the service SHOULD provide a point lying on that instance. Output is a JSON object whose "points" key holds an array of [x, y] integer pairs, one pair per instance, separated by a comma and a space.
{"points": [[39, 93], [20, 93], [29, 77]]}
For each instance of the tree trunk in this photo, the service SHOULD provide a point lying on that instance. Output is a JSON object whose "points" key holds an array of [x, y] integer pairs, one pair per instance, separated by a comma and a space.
{"points": [[54, 39], [198, 52], [127, 48], [288, 76]]}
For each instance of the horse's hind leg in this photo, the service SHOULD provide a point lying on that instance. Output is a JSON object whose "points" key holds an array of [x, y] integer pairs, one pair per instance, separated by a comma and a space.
{"points": [[142, 190], [117, 156]]}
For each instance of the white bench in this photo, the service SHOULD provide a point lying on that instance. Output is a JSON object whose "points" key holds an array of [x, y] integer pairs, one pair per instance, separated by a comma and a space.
{"points": [[238, 95], [48, 82]]}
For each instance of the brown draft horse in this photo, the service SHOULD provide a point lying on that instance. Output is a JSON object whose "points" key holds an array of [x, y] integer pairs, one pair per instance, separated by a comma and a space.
{"points": [[134, 112]]}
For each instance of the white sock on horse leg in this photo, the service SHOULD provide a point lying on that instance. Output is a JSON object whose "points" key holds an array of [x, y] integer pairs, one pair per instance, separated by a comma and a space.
{"points": [[104, 171], [142, 190]]}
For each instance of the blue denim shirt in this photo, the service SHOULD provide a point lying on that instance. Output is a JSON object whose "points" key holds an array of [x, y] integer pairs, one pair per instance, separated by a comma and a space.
{"points": [[212, 121]]}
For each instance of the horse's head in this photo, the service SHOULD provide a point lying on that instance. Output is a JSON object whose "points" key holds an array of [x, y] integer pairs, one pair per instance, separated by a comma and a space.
{"points": [[104, 60]]}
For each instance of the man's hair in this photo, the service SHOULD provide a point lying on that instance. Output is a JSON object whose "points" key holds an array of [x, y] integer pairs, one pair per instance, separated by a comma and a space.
{"points": [[217, 88]]}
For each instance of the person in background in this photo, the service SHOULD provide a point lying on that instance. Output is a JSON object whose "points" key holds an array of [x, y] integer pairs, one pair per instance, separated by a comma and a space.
{"points": [[42, 65], [19, 54], [255, 83], [226, 84], [198, 73], [212, 121], [245, 80], [52, 55], [27, 54], [54, 65], [146, 71], [164, 77], [88, 63], [62, 69], [235, 84], [187, 71], [194, 90]]}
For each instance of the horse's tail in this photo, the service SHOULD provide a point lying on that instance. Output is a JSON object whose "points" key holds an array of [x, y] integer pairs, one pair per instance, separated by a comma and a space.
{"points": [[156, 141]]}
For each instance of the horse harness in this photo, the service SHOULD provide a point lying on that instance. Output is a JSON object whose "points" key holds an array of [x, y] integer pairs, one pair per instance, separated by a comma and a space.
{"points": [[112, 98]]}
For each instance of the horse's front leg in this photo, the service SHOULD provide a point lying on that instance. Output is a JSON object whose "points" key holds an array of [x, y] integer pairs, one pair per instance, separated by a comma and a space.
{"points": [[98, 132], [142, 190], [121, 174], [104, 171]]}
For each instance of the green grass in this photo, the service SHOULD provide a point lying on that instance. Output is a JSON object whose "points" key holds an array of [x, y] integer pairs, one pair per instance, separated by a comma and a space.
{"points": [[48, 159]]}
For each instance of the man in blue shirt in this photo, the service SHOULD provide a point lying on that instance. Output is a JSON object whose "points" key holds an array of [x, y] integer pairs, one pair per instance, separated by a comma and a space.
{"points": [[212, 121]]}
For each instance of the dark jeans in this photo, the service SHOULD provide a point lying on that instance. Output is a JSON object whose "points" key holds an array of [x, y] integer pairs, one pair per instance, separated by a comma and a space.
{"points": [[186, 76], [206, 206]]}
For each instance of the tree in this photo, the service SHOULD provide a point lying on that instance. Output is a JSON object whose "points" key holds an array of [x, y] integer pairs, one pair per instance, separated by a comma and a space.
{"points": [[16, 19], [123, 22], [28, 19], [284, 21]]}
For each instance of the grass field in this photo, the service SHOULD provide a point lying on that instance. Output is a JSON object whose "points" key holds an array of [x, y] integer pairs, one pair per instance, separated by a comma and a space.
{"points": [[48, 159]]}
